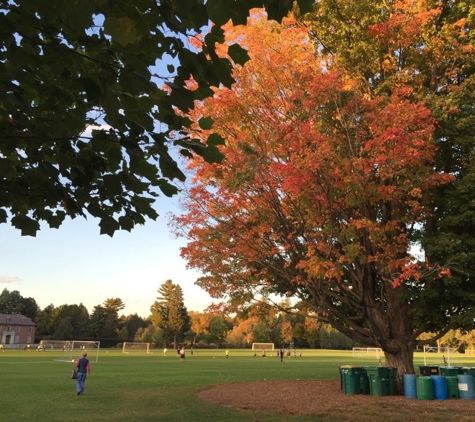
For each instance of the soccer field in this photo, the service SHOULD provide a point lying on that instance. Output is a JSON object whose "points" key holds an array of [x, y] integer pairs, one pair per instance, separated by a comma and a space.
{"points": [[152, 387]]}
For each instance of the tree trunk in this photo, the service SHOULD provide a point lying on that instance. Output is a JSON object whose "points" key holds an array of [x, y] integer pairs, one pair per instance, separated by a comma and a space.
{"points": [[403, 362], [397, 339]]}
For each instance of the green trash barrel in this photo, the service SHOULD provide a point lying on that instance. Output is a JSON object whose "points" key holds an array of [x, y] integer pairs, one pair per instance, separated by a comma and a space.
{"points": [[341, 377], [364, 381], [468, 370], [351, 379], [425, 390], [378, 380], [392, 373], [452, 387], [450, 371]]}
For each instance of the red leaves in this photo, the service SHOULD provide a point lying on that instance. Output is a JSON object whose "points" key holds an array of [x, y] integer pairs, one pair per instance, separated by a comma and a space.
{"points": [[320, 181]]}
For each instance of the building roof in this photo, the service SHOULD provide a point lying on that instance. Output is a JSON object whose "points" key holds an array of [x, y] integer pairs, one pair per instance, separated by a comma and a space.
{"points": [[15, 319]]}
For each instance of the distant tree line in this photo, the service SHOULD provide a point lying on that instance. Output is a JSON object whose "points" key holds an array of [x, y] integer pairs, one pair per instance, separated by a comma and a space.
{"points": [[167, 324], [70, 322], [170, 324]]}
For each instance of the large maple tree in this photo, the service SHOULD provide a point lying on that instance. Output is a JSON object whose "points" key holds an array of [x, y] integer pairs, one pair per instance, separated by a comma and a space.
{"points": [[326, 184], [429, 46]]}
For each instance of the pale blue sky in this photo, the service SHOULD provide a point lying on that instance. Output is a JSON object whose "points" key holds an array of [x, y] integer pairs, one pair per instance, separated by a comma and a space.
{"points": [[75, 264]]}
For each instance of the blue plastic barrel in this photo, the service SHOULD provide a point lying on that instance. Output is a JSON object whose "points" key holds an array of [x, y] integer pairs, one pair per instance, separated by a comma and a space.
{"points": [[439, 383], [410, 390], [465, 385]]}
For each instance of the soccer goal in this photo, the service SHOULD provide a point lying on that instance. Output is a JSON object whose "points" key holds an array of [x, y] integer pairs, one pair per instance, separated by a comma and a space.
{"points": [[129, 347], [78, 347], [262, 346], [367, 352], [55, 345], [441, 356]]}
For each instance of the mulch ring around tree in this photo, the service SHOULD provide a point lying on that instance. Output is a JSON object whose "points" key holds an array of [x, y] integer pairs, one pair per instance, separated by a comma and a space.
{"points": [[325, 400]]}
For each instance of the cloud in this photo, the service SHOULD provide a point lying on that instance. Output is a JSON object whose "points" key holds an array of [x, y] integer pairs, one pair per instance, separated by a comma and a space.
{"points": [[8, 279]]}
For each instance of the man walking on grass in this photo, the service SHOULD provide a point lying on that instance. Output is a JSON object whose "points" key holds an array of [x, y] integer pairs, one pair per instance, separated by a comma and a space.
{"points": [[83, 369]]}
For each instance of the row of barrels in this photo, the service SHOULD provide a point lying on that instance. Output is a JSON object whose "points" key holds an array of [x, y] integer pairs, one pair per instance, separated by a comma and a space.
{"points": [[439, 387], [374, 380]]}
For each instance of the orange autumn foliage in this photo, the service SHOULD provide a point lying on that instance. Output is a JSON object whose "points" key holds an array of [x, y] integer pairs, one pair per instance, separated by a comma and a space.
{"points": [[312, 165], [331, 174]]}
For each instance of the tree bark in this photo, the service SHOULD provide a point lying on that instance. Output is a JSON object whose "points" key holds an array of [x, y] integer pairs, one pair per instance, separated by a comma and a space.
{"points": [[403, 362], [398, 342]]}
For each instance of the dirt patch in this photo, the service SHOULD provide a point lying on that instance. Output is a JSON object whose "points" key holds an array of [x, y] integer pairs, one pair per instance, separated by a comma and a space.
{"points": [[325, 400]]}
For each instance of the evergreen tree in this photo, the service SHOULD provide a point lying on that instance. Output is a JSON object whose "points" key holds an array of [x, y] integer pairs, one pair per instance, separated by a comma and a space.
{"points": [[97, 321], [105, 319], [169, 312]]}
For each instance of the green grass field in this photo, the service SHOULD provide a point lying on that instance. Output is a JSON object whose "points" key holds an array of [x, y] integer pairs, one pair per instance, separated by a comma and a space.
{"points": [[139, 387]]}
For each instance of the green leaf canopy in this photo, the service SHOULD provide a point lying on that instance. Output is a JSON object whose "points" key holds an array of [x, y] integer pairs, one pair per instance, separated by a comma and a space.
{"points": [[85, 126]]}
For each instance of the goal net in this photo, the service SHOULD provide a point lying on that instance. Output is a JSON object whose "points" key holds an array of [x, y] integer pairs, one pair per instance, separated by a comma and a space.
{"points": [[441, 356], [129, 347], [262, 346], [78, 347], [55, 345], [367, 352]]}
